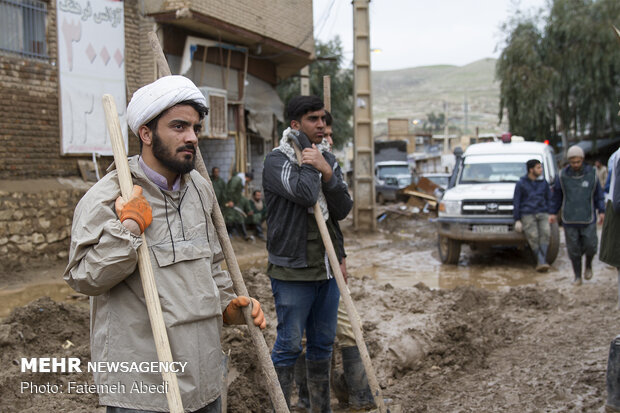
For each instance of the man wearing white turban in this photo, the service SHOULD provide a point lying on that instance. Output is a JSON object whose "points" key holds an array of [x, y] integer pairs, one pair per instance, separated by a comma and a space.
{"points": [[171, 205]]}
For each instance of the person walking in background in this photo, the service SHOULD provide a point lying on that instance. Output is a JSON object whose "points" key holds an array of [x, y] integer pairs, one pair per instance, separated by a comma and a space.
{"points": [[579, 195], [531, 206], [610, 173], [610, 237]]}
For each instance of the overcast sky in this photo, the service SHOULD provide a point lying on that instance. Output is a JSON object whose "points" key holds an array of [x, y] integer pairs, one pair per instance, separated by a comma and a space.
{"points": [[414, 33]]}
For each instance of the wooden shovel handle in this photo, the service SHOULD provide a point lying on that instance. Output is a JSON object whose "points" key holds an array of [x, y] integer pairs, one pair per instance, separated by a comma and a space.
{"points": [[153, 305], [262, 351], [354, 317]]}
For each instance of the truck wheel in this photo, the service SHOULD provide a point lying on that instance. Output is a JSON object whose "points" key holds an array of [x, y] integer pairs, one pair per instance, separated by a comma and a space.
{"points": [[554, 243], [449, 250]]}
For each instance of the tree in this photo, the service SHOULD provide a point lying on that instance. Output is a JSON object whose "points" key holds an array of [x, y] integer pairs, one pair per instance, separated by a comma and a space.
{"points": [[565, 79], [329, 60], [524, 79], [433, 122]]}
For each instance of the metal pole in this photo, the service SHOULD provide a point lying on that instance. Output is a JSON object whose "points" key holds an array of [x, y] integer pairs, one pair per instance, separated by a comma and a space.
{"points": [[305, 80]]}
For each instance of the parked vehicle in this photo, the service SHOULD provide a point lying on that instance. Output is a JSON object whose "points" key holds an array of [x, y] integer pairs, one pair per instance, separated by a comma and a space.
{"points": [[390, 176], [477, 209], [441, 179]]}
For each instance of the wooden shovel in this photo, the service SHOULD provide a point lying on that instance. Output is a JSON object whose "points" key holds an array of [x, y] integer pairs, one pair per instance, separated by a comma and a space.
{"points": [[153, 305], [262, 351]]}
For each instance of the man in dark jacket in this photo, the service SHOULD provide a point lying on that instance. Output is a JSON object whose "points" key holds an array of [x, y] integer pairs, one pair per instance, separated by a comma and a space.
{"points": [[532, 202], [350, 384], [305, 292], [579, 195]]}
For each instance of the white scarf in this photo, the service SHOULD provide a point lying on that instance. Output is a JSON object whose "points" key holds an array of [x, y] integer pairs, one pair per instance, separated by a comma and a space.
{"points": [[286, 147]]}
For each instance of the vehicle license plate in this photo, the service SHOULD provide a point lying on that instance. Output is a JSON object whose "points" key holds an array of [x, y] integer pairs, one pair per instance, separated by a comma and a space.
{"points": [[494, 229]]}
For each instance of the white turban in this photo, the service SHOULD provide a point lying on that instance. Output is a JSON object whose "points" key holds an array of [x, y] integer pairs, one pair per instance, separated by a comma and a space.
{"points": [[575, 152], [152, 99]]}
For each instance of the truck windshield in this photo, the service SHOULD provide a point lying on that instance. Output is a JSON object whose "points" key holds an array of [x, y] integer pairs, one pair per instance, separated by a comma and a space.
{"points": [[392, 170], [492, 172]]}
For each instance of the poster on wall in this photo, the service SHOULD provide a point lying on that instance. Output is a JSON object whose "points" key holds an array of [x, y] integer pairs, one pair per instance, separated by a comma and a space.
{"points": [[91, 63]]}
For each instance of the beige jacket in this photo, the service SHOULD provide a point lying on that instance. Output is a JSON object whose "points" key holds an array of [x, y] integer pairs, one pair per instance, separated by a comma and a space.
{"points": [[193, 289]]}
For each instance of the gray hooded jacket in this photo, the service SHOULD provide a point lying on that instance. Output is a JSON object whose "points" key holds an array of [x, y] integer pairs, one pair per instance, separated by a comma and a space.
{"points": [[193, 289]]}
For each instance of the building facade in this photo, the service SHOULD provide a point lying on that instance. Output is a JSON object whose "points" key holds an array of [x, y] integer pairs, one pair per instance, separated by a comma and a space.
{"points": [[234, 50]]}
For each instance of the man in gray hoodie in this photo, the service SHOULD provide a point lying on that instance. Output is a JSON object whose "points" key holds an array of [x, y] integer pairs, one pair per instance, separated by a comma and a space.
{"points": [[171, 205]]}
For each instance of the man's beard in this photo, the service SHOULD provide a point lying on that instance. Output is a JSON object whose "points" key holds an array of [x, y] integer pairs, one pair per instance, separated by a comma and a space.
{"points": [[163, 155]]}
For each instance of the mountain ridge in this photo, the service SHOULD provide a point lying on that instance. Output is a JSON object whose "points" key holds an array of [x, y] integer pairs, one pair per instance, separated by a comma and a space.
{"points": [[415, 92]]}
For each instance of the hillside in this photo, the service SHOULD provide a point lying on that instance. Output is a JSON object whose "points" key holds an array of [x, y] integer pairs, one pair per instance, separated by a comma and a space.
{"points": [[414, 92]]}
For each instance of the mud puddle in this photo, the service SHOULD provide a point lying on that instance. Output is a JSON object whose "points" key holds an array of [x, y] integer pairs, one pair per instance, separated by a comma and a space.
{"points": [[40, 281], [405, 254]]}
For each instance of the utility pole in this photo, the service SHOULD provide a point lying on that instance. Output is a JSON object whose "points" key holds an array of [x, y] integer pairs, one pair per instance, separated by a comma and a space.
{"points": [[466, 110], [363, 145], [305, 80], [446, 138]]}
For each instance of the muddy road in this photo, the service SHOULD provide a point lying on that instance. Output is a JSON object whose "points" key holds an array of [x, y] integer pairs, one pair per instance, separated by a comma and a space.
{"points": [[487, 335]]}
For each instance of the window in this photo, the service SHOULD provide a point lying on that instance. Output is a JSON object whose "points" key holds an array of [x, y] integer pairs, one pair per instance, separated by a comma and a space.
{"points": [[216, 123], [22, 27], [492, 172]]}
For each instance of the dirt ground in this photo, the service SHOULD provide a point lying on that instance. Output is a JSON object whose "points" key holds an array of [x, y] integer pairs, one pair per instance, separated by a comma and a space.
{"points": [[487, 335]]}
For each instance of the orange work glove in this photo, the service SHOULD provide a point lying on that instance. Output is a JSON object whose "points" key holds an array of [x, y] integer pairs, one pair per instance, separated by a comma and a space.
{"points": [[137, 209], [234, 315]]}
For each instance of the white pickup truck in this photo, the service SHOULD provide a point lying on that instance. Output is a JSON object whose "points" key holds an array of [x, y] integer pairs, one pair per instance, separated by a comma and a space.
{"points": [[477, 207]]}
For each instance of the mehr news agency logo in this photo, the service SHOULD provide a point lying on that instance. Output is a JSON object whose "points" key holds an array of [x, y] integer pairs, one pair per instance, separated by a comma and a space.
{"points": [[74, 365]]}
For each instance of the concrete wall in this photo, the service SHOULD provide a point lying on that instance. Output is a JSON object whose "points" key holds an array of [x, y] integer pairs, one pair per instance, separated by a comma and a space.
{"points": [[220, 153]]}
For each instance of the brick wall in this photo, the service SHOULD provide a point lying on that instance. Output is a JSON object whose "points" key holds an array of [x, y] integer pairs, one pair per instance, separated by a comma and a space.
{"points": [[29, 144], [288, 21], [30, 125]]}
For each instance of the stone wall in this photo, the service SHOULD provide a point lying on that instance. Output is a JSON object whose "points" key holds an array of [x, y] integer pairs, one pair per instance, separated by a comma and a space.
{"points": [[35, 220]]}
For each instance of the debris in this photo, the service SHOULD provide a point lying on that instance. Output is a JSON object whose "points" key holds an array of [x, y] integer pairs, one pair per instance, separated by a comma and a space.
{"points": [[422, 194]]}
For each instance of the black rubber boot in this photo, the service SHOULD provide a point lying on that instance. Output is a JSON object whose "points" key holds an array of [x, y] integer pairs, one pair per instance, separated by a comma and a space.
{"points": [[613, 375], [285, 377], [587, 274], [360, 396], [318, 385], [577, 270], [339, 387], [303, 400]]}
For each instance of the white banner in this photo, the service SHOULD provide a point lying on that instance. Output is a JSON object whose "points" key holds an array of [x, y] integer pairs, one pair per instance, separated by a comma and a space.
{"points": [[91, 63]]}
